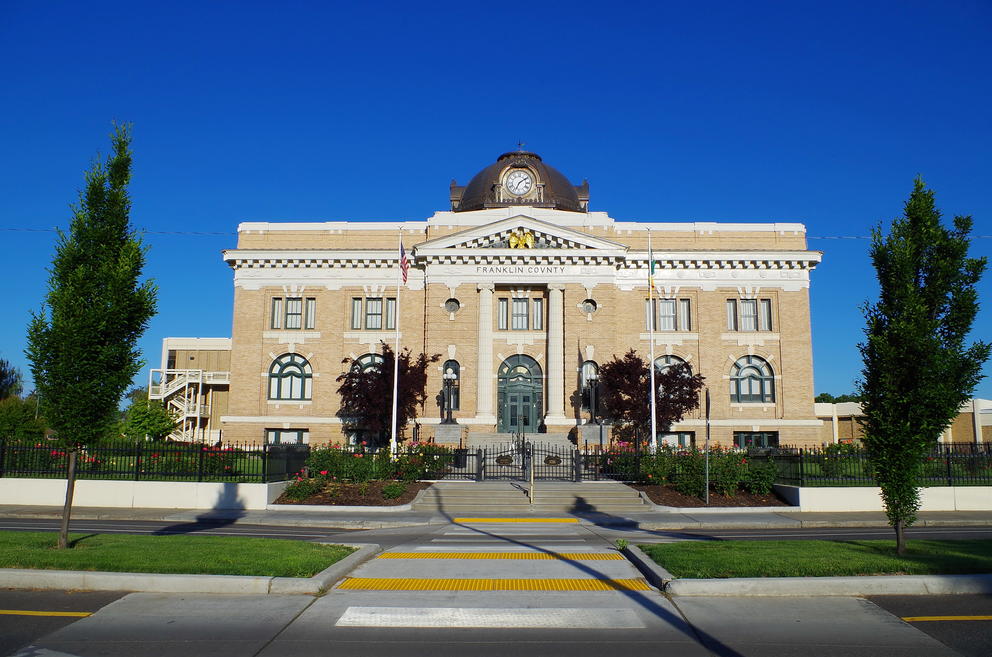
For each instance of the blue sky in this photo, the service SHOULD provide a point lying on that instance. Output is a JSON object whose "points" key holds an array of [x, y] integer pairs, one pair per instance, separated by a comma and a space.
{"points": [[815, 112]]}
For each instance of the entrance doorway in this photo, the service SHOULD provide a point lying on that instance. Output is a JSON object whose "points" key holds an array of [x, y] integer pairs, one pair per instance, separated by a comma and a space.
{"points": [[520, 397]]}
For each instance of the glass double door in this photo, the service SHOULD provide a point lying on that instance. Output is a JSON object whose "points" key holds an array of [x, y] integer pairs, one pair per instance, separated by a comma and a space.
{"points": [[520, 398]]}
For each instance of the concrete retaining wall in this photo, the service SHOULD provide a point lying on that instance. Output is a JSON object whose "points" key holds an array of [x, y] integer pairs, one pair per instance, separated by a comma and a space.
{"points": [[141, 494], [868, 498]]}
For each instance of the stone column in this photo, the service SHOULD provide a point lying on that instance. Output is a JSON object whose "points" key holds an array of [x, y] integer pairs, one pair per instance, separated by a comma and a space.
{"points": [[556, 354], [484, 395]]}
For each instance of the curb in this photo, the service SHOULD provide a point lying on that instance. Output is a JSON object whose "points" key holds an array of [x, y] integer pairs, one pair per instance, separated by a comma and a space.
{"points": [[330, 508], [21, 578], [833, 586], [655, 574]]}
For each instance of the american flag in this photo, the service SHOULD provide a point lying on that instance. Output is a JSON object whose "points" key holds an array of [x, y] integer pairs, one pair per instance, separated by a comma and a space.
{"points": [[404, 264]]}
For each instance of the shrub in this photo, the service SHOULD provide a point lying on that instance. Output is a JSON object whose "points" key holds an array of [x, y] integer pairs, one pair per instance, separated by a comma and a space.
{"points": [[300, 489], [759, 478], [690, 475], [393, 489], [657, 468], [727, 469]]}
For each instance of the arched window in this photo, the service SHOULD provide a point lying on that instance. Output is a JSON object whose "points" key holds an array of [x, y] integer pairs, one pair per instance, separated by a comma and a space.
{"points": [[367, 362], [452, 367], [662, 363], [290, 378], [751, 380], [588, 372]]}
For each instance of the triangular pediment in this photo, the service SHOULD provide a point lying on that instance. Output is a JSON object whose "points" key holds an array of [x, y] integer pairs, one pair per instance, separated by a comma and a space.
{"points": [[519, 232]]}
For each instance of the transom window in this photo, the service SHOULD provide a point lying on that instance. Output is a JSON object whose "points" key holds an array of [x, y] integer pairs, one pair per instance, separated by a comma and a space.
{"points": [[287, 436], [662, 363], [373, 313], [368, 362], [294, 313], [290, 378], [669, 314], [751, 380], [749, 314]]}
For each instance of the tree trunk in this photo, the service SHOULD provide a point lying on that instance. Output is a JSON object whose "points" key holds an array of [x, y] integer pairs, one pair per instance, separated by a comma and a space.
{"points": [[70, 487], [900, 538]]}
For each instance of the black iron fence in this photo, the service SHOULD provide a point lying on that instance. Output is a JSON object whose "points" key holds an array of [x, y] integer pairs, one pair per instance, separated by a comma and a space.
{"points": [[154, 461], [953, 464]]}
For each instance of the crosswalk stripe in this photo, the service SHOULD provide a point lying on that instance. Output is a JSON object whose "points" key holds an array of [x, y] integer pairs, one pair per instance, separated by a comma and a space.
{"points": [[542, 584], [438, 617], [573, 521], [522, 556]]}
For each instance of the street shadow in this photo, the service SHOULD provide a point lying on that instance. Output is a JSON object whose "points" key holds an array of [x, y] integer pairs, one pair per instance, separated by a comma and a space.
{"points": [[79, 539], [637, 597], [227, 509]]}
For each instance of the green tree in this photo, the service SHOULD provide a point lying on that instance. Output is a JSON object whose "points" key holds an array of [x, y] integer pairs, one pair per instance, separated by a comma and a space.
{"points": [[827, 398], [10, 380], [18, 419], [367, 394], [624, 397], [147, 419], [917, 368], [82, 345]]}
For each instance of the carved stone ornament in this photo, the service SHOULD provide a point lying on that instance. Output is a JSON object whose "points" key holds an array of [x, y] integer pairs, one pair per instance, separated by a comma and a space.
{"points": [[521, 239]]}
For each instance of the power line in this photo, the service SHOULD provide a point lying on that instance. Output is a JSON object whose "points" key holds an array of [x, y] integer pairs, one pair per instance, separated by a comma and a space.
{"points": [[228, 233]]}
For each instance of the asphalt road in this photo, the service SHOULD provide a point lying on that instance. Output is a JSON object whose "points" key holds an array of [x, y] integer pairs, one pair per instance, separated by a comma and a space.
{"points": [[390, 537], [29, 615], [961, 622]]}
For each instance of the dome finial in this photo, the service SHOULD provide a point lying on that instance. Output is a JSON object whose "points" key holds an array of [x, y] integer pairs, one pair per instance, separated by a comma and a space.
{"points": [[520, 146]]}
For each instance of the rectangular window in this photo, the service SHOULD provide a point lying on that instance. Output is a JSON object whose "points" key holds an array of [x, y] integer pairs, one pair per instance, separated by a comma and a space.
{"points": [[373, 313], [391, 314], [287, 436], [666, 315], [685, 323], [669, 315], [521, 311], [749, 315], [765, 316], [538, 314], [277, 313], [502, 310], [294, 312], [684, 439], [731, 314], [311, 313], [756, 439], [356, 313]]}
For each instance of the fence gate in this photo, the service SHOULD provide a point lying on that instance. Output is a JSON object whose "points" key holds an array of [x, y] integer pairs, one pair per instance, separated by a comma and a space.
{"points": [[514, 462]]}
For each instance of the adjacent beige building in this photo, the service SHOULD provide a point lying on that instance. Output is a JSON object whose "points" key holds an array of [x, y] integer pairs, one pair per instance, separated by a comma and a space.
{"points": [[523, 292]]}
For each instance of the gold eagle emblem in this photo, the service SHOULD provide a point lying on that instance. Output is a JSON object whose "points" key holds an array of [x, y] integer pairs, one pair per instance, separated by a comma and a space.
{"points": [[521, 239]]}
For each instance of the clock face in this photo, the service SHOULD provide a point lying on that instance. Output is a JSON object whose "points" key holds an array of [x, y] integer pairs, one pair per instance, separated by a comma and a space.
{"points": [[519, 182]]}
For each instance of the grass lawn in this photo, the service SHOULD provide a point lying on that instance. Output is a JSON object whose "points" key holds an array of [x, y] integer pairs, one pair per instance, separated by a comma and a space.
{"points": [[711, 559], [209, 555]]}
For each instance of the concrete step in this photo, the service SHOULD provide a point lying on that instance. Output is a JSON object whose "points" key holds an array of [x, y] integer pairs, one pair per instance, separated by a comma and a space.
{"points": [[560, 497]]}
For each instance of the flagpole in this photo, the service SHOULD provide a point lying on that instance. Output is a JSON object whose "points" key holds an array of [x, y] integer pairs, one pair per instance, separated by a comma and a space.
{"points": [[396, 353], [651, 368]]}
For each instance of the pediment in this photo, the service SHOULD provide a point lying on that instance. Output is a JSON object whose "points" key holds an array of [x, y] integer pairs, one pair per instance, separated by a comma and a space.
{"points": [[520, 233]]}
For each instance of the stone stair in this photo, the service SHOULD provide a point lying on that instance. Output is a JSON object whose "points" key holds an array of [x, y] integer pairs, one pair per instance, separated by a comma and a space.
{"points": [[478, 439], [510, 498]]}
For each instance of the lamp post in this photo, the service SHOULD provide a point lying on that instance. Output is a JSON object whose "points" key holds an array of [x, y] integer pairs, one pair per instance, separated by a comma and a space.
{"points": [[449, 378]]}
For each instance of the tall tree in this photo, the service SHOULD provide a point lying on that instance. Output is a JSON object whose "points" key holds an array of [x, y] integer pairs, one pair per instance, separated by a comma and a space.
{"points": [[10, 380], [367, 393], [625, 398], [82, 345], [917, 368]]}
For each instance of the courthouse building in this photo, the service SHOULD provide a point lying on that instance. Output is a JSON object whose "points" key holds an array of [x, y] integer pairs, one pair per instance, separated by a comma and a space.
{"points": [[523, 292]]}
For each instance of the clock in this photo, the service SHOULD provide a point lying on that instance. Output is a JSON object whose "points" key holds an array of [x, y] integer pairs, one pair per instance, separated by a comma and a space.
{"points": [[518, 182]]}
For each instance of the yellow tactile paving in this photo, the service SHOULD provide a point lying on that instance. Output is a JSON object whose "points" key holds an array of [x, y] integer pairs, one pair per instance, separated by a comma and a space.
{"points": [[571, 521], [424, 584], [517, 556], [23, 612]]}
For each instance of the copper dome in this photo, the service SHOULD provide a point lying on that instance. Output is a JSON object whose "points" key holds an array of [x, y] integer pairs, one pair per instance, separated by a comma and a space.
{"points": [[551, 188]]}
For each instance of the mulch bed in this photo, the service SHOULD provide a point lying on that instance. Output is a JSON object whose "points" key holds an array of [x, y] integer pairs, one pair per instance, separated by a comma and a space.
{"points": [[369, 494], [668, 496]]}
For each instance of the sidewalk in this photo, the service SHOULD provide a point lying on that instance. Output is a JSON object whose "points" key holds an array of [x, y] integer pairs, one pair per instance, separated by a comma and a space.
{"points": [[357, 518]]}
